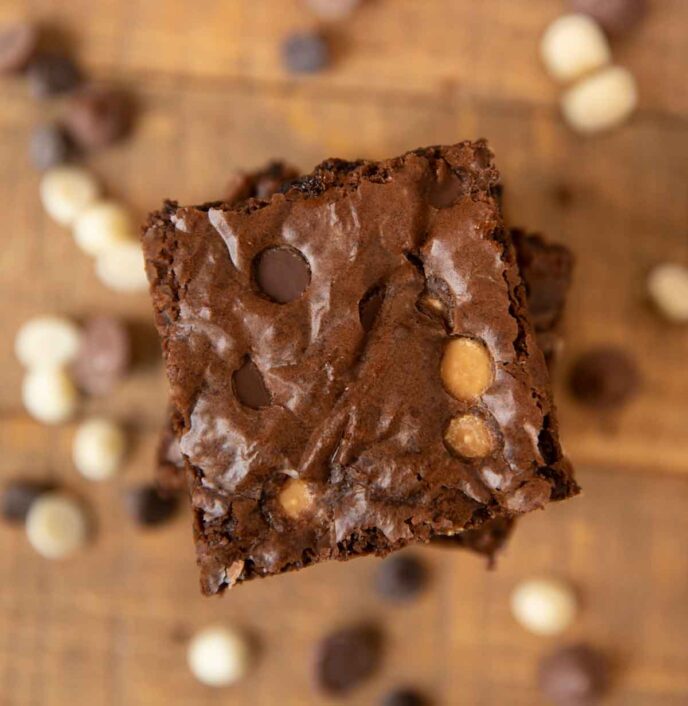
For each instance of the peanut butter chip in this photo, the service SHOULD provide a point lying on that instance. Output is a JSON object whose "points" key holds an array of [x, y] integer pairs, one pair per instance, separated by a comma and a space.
{"points": [[296, 497], [469, 436], [466, 368]]}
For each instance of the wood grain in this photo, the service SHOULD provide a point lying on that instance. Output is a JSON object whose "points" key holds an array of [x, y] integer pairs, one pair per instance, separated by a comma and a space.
{"points": [[110, 627]]}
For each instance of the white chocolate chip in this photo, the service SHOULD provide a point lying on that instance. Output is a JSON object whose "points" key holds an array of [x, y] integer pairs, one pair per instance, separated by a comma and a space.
{"points": [[470, 436], [601, 101], [121, 268], [296, 497], [466, 368], [667, 285], [572, 46], [102, 225], [218, 656], [47, 341], [56, 526], [544, 606], [66, 191], [98, 449], [49, 395]]}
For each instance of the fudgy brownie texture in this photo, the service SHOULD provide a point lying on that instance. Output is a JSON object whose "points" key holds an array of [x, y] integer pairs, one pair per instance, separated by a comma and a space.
{"points": [[352, 364]]}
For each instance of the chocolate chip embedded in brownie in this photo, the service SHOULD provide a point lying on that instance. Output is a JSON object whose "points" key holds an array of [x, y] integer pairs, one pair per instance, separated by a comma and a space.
{"points": [[432, 419]]}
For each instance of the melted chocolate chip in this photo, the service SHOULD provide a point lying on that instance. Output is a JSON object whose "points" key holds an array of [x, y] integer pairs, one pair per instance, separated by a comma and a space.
{"points": [[17, 498], [282, 274], [574, 676], [401, 577], [346, 658], [17, 45], [604, 378], [249, 386], [148, 507], [369, 307]]}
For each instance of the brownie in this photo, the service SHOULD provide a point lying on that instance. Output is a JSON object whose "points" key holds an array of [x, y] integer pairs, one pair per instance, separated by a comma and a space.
{"points": [[352, 364], [546, 269]]}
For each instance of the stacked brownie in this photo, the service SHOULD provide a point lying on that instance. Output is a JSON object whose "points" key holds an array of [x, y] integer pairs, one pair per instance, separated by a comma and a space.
{"points": [[352, 364]]}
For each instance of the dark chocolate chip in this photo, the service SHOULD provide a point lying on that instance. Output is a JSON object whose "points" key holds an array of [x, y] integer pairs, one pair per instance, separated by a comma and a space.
{"points": [[574, 676], [404, 697], [18, 496], [17, 45], [249, 386], [148, 506], [305, 53], [51, 74], [282, 274], [49, 146], [369, 307], [97, 116], [401, 577], [346, 658], [615, 16], [104, 356], [604, 378]]}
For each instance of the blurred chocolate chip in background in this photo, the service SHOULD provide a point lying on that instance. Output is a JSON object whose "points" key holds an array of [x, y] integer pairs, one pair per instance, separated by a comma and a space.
{"points": [[49, 146], [404, 697], [52, 74], [18, 496], [347, 657], [577, 675], [104, 355], [333, 9], [18, 41], [616, 17], [148, 507], [605, 377], [401, 577], [97, 116], [306, 52]]}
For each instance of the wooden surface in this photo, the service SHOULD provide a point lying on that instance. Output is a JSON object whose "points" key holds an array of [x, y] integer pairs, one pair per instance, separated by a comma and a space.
{"points": [[110, 626]]}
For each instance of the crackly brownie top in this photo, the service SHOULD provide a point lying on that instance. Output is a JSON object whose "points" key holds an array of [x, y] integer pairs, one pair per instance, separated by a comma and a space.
{"points": [[352, 363]]}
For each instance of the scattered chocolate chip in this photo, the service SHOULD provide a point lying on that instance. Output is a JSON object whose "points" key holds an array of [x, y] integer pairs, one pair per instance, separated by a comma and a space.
{"points": [[333, 9], [604, 378], [97, 116], [282, 274], [249, 386], [401, 577], [369, 307], [148, 507], [346, 658], [51, 74], [18, 496], [17, 45], [49, 146], [615, 16], [574, 676], [404, 697], [104, 355], [305, 53]]}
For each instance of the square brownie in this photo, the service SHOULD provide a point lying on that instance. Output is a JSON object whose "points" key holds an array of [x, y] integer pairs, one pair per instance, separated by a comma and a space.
{"points": [[351, 364]]}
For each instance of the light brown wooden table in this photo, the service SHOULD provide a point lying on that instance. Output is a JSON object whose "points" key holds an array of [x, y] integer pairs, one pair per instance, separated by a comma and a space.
{"points": [[110, 626]]}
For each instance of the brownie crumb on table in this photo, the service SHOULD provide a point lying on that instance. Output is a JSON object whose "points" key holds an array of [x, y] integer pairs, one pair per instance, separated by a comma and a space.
{"points": [[372, 439]]}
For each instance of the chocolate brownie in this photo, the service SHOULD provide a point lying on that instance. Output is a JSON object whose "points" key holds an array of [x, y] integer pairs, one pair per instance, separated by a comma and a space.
{"points": [[352, 364]]}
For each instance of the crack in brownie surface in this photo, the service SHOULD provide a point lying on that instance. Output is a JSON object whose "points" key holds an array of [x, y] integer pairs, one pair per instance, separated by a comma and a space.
{"points": [[364, 444]]}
